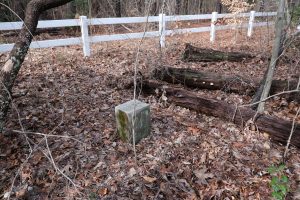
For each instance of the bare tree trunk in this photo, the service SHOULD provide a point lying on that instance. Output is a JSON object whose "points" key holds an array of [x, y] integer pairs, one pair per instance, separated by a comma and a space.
{"points": [[140, 5], [262, 6], [259, 91], [177, 7], [219, 6], [118, 8], [186, 7], [12, 66], [277, 48], [154, 10], [201, 6], [72, 9]]}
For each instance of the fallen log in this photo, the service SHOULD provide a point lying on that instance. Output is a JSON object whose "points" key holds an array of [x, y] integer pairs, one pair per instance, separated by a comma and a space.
{"points": [[212, 81], [195, 54], [278, 129]]}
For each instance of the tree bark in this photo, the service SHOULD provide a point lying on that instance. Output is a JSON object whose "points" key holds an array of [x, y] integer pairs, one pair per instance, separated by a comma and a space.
{"points": [[141, 5], [212, 81], [201, 6], [72, 10], [195, 54], [262, 6], [278, 129], [154, 9], [12, 66], [177, 7], [186, 7], [219, 6], [277, 48], [118, 8]]}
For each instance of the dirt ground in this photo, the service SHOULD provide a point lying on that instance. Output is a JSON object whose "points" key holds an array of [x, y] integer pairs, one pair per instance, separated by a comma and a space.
{"points": [[187, 156]]}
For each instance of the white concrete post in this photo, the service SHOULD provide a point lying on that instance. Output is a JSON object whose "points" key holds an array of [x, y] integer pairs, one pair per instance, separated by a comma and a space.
{"points": [[250, 26], [85, 36], [214, 19], [162, 30]]}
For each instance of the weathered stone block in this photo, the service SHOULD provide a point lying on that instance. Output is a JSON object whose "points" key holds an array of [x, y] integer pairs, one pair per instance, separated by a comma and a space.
{"points": [[125, 116]]}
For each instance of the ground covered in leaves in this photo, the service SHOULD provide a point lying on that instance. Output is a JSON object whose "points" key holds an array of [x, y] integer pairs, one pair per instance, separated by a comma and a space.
{"points": [[60, 141]]}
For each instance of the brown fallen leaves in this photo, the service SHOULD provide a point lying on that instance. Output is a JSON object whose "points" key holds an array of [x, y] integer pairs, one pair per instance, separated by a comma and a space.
{"points": [[187, 156]]}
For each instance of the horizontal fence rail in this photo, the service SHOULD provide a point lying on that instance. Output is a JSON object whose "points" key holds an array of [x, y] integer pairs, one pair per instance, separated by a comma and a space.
{"points": [[83, 22]]}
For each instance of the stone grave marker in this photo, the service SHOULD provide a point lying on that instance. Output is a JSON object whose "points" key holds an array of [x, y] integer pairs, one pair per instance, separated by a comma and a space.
{"points": [[124, 116]]}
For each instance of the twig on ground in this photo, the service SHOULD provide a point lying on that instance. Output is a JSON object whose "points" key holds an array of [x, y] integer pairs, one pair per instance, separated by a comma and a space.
{"points": [[269, 97], [234, 114], [19, 117], [22, 127], [50, 158], [291, 134], [21, 167], [49, 135]]}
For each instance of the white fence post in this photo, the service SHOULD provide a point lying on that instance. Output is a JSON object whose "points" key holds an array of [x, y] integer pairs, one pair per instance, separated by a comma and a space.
{"points": [[162, 30], [87, 40], [85, 36], [213, 26], [250, 26]]}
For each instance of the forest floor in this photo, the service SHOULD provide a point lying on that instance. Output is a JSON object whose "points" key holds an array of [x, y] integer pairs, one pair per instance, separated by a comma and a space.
{"points": [[187, 156]]}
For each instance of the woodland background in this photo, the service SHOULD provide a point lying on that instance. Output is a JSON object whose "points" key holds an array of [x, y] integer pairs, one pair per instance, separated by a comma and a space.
{"points": [[126, 8]]}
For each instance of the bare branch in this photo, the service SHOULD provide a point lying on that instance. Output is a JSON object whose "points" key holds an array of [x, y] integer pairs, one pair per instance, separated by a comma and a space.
{"points": [[291, 134]]}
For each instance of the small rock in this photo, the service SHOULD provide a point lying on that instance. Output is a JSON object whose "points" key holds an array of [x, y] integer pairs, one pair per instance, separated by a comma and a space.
{"points": [[132, 172]]}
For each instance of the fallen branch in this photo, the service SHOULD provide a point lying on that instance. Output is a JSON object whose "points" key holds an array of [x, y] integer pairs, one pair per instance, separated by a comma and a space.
{"points": [[291, 135], [211, 81], [195, 54], [47, 135], [278, 129]]}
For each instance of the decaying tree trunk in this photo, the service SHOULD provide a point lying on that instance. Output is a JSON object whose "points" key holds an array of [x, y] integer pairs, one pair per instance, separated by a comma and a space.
{"points": [[278, 129], [10, 70], [211, 81], [195, 54]]}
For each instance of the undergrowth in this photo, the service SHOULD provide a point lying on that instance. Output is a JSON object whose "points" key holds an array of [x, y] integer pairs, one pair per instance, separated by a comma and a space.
{"points": [[279, 181]]}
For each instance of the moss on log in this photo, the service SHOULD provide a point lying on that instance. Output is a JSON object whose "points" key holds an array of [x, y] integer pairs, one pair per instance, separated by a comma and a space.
{"points": [[278, 129], [212, 81], [195, 54]]}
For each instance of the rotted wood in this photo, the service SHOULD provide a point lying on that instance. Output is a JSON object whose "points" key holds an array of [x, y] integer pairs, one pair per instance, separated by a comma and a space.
{"points": [[212, 81], [278, 129], [195, 54]]}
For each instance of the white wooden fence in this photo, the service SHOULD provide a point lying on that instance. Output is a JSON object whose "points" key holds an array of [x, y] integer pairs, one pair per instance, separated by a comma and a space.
{"points": [[85, 40]]}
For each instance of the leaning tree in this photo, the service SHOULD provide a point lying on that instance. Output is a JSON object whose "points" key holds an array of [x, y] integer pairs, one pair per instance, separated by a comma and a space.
{"points": [[11, 67], [280, 34]]}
